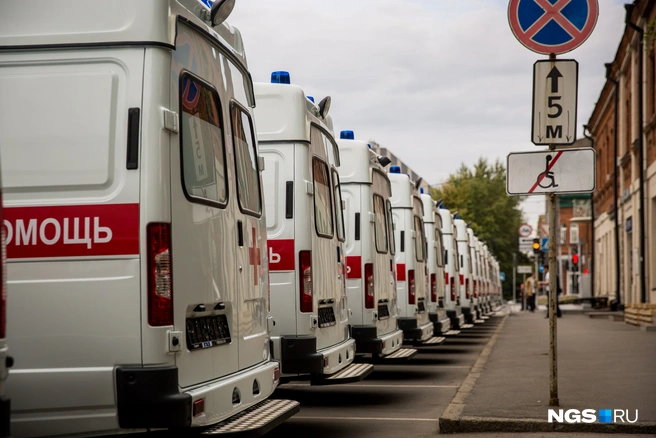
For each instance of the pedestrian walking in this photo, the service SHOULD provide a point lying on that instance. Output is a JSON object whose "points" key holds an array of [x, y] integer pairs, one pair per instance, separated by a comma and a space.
{"points": [[530, 288], [558, 291]]}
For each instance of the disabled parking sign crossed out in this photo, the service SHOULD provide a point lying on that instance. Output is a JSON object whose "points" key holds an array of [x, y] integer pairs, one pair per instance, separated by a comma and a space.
{"points": [[552, 26]]}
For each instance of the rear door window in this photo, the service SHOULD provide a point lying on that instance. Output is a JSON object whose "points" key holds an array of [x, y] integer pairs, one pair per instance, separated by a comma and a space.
{"points": [[203, 149], [248, 177], [339, 212], [390, 227], [419, 240], [323, 213], [380, 225], [439, 250]]}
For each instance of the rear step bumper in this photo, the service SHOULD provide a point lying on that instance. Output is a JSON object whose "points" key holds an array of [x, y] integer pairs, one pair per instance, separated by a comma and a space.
{"points": [[256, 420], [440, 326], [367, 340], [435, 340], [352, 373], [149, 397], [457, 320], [413, 332], [299, 355]]}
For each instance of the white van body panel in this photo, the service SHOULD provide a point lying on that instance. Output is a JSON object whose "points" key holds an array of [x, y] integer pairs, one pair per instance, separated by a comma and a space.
{"points": [[451, 268], [364, 183], [78, 249], [286, 120], [465, 270], [435, 262], [407, 211]]}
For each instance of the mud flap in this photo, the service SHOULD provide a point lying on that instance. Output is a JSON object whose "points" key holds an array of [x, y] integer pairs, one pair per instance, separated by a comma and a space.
{"points": [[256, 420]]}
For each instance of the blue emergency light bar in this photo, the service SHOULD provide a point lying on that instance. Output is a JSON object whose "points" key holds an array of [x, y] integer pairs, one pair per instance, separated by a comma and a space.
{"points": [[395, 169], [347, 135], [280, 77]]}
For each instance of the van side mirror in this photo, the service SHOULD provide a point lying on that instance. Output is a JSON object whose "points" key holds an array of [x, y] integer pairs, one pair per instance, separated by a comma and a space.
{"points": [[221, 9], [324, 106]]}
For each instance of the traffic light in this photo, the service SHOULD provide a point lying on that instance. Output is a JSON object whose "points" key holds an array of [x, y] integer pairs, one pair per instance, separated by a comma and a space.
{"points": [[575, 262], [536, 246]]}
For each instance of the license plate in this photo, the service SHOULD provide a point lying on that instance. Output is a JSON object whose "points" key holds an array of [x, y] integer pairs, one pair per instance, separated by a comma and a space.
{"points": [[207, 332], [383, 312], [326, 317], [421, 306]]}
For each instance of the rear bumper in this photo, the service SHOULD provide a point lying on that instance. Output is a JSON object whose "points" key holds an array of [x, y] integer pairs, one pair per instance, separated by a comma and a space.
{"points": [[299, 355], [457, 319], [414, 332], [151, 398], [367, 340], [441, 326]]}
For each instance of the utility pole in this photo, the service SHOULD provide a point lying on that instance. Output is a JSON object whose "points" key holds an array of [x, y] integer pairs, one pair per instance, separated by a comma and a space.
{"points": [[514, 285], [553, 290]]}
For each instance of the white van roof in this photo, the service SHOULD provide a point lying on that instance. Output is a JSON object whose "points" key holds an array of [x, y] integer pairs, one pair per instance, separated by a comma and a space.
{"points": [[284, 113], [429, 208], [461, 226], [402, 190], [357, 161], [447, 219], [43, 23]]}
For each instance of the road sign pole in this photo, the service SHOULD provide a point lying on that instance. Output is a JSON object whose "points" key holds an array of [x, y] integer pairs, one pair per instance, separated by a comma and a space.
{"points": [[514, 285], [553, 293]]}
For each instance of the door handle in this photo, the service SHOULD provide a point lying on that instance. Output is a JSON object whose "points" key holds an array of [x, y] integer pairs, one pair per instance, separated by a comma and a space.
{"points": [[240, 233]]}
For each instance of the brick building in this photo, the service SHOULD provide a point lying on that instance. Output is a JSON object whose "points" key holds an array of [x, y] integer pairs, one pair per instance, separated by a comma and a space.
{"points": [[623, 127]]}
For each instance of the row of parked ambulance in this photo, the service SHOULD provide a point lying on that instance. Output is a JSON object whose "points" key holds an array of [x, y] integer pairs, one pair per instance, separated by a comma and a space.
{"points": [[180, 240]]}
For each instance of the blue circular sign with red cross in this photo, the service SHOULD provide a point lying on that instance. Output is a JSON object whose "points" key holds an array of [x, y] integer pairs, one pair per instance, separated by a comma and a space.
{"points": [[552, 26]]}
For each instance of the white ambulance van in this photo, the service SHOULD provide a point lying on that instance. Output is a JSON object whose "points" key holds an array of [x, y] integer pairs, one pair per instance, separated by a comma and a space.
{"points": [[487, 275], [411, 255], [370, 280], [134, 218], [497, 298], [305, 228], [6, 361], [477, 298], [465, 270], [435, 263], [477, 262], [452, 271]]}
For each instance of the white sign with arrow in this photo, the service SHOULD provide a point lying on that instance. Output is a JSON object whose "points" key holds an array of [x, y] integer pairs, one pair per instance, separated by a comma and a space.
{"points": [[555, 91], [564, 171]]}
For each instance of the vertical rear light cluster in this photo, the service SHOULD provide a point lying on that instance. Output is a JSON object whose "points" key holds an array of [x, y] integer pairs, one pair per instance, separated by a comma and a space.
{"points": [[467, 288], [3, 277], [412, 294], [160, 280], [462, 279], [433, 287], [453, 289], [475, 288], [305, 280], [369, 286]]}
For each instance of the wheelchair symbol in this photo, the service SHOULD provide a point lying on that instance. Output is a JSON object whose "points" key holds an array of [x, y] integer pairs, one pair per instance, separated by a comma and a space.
{"points": [[547, 174]]}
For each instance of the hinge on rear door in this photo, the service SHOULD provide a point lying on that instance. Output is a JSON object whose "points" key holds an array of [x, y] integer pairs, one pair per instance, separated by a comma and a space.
{"points": [[372, 217], [260, 162], [171, 121], [309, 188]]}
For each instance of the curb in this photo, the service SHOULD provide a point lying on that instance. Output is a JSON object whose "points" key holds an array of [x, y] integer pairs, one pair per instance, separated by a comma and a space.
{"points": [[452, 421]]}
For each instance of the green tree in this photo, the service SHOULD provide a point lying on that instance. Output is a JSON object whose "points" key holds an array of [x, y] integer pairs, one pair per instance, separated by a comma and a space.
{"points": [[479, 196]]}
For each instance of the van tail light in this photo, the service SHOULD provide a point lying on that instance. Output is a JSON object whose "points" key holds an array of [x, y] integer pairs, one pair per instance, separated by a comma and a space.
{"points": [[3, 277], [412, 297], [369, 286], [446, 279], [453, 290], [269, 290], [433, 287], [475, 288], [160, 280], [305, 274], [467, 288], [462, 279]]}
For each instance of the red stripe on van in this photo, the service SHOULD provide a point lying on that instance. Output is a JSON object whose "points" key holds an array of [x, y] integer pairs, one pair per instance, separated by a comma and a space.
{"points": [[353, 267], [281, 255], [72, 230], [400, 272]]}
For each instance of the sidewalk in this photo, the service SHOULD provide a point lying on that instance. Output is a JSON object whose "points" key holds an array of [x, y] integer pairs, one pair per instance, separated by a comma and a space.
{"points": [[601, 365]]}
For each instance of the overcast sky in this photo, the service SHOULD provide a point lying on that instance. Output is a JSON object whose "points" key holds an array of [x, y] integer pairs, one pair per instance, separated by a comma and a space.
{"points": [[437, 82]]}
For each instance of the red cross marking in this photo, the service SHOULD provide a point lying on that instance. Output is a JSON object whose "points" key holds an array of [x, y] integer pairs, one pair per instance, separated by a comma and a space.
{"points": [[552, 12], [254, 258]]}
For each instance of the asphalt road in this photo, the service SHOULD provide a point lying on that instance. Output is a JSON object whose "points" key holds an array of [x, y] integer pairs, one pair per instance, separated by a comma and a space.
{"points": [[403, 400]]}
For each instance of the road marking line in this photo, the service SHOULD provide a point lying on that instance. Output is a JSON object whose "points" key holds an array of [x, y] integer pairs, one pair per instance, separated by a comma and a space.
{"points": [[301, 385], [365, 418]]}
